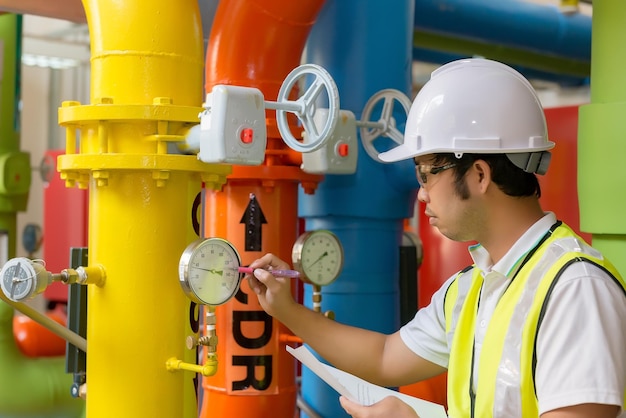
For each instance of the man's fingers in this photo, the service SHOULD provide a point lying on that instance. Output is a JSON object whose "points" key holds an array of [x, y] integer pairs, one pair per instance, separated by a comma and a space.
{"points": [[347, 405], [255, 284], [266, 278]]}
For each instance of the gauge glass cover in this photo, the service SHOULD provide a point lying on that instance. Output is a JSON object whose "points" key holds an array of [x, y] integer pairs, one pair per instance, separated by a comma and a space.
{"points": [[18, 279], [318, 255], [208, 271]]}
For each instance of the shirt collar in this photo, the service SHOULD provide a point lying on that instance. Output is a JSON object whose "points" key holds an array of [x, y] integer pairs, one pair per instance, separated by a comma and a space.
{"points": [[511, 260]]}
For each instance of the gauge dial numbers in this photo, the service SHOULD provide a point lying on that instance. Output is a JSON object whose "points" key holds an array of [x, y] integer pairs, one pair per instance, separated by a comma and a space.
{"points": [[19, 279], [318, 256], [208, 271]]}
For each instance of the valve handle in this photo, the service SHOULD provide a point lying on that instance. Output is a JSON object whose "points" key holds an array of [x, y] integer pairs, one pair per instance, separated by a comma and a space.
{"points": [[386, 124], [304, 107]]}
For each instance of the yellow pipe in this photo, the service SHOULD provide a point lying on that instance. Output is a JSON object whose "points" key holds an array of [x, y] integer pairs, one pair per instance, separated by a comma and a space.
{"points": [[83, 275], [207, 369], [137, 320], [146, 88]]}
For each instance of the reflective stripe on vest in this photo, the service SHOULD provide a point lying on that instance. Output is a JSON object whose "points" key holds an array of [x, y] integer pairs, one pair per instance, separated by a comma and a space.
{"points": [[505, 386]]}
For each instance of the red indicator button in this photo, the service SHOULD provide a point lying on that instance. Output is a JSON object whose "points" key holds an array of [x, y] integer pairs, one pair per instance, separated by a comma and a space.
{"points": [[246, 135], [342, 150]]}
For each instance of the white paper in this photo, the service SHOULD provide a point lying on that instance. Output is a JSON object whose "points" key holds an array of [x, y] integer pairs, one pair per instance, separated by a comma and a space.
{"points": [[359, 390]]}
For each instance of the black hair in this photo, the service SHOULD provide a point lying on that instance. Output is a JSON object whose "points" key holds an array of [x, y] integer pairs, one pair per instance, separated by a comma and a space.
{"points": [[512, 180]]}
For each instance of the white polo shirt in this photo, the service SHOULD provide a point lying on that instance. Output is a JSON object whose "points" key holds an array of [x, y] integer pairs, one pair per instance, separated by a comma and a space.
{"points": [[581, 345]]}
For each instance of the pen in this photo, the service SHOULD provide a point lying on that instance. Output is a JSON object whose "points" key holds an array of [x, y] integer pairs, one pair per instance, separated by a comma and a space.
{"points": [[278, 273]]}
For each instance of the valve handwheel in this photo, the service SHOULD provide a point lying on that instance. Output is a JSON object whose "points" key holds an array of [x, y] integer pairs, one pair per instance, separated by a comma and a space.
{"points": [[305, 106], [386, 124]]}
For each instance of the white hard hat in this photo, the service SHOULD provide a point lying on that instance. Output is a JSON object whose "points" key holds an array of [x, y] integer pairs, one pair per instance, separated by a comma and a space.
{"points": [[477, 106]]}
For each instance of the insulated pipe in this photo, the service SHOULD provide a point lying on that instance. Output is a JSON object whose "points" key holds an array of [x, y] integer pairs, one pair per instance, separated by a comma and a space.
{"points": [[535, 36], [256, 43], [366, 47], [146, 84], [601, 145]]}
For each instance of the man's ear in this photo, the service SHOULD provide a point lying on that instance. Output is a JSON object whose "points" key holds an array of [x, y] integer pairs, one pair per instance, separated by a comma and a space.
{"points": [[483, 174]]}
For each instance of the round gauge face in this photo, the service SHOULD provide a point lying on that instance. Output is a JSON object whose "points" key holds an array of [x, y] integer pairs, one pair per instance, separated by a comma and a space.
{"points": [[18, 279], [318, 256], [208, 271]]}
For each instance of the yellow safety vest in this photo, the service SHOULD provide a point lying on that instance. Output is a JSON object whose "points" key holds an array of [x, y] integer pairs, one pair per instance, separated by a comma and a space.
{"points": [[506, 386]]}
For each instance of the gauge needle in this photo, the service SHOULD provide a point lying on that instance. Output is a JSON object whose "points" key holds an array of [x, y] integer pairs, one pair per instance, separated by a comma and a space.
{"points": [[16, 279], [324, 254], [214, 271]]}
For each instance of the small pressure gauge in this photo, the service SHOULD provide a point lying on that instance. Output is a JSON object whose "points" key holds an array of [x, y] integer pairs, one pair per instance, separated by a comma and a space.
{"points": [[318, 256], [23, 278], [208, 271]]}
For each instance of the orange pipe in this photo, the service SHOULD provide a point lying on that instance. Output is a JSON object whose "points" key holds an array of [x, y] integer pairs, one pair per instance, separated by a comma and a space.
{"points": [[255, 376], [256, 43]]}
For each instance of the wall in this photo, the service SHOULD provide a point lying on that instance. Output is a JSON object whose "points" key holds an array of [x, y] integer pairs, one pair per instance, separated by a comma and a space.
{"points": [[43, 91]]}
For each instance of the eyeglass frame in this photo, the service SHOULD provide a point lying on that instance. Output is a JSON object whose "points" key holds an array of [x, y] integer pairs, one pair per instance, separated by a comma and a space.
{"points": [[422, 176]]}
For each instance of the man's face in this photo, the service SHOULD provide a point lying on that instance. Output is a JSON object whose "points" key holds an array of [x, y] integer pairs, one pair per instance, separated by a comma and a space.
{"points": [[454, 216]]}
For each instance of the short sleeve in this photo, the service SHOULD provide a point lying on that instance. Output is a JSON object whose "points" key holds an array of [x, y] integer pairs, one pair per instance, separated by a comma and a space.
{"points": [[425, 334]]}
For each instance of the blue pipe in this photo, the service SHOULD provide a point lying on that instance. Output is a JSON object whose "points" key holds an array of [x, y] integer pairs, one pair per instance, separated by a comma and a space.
{"points": [[517, 24], [512, 26], [366, 47]]}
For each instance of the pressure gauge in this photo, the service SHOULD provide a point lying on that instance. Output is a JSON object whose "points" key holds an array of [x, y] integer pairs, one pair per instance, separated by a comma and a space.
{"points": [[23, 278], [208, 271], [318, 256]]}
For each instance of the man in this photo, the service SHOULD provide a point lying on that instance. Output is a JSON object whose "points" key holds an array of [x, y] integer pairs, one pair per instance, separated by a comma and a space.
{"points": [[537, 325]]}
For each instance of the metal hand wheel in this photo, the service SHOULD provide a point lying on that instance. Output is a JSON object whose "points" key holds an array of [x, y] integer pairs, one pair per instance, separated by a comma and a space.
{"points": [[386, 124], [305, 106]]}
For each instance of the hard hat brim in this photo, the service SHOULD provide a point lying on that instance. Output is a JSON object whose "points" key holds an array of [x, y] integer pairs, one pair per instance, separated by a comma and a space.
{"points": [[399, 153], [404, 151]]}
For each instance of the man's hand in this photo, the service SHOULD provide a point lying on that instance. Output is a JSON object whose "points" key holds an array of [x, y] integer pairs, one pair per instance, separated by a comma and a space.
{"points": [[274, 293], [388, 407]]}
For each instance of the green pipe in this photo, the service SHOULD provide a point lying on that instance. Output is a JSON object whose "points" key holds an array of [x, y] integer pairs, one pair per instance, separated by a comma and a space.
{"points": [[512, 56], [14, 164], [29, 387], [11, 38], [601, 140]]}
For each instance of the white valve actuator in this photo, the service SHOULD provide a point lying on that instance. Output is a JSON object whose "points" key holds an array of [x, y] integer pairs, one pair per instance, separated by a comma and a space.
{"points": [[232, 126], [338, 155]]}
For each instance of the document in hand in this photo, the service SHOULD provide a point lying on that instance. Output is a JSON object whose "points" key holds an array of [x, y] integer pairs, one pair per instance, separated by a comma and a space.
{"points": [[359, 390]]}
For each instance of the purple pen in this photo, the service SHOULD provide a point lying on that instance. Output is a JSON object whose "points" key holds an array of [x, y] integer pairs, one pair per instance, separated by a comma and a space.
{"points": [[278, 273]]}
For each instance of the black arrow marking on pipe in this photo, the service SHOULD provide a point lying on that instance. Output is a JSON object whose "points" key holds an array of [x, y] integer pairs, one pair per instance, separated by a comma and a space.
{"points": [[253, 219]]}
